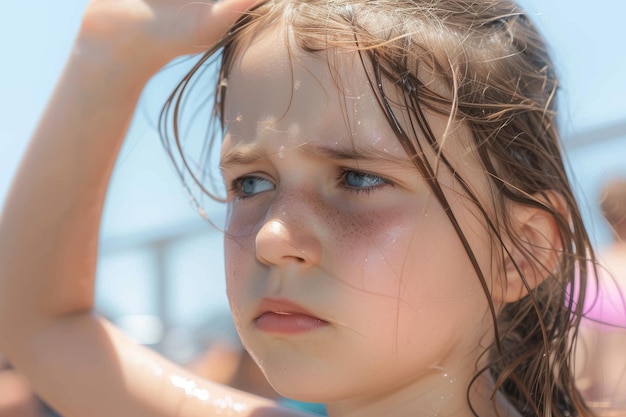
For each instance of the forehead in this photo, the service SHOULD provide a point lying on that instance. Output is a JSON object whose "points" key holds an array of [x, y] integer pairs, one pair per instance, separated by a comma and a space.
{"points": [[272, 77], [275, 86], [279, 95]]}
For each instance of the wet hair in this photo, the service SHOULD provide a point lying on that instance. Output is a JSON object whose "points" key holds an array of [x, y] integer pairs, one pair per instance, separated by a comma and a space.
{"points": [[484, 65]]}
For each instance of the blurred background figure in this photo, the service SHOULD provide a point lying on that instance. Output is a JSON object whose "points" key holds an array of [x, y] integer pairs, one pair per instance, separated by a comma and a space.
{"points": [[16, 397], [613, 206], [601, 355]]}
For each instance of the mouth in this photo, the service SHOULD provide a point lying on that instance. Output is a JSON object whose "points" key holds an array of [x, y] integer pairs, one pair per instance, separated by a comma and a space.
{"points": [[281, 316]]}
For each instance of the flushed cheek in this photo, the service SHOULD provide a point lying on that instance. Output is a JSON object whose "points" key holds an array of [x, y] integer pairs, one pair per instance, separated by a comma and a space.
{"points": [[377, 251], [414, 269]]}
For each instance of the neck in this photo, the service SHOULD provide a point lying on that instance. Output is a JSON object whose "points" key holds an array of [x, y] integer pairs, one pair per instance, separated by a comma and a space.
{"points": [[440, 394]]}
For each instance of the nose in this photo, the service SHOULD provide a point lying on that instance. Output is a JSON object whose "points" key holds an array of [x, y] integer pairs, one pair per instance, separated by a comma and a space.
{"points": [[282, 242]]}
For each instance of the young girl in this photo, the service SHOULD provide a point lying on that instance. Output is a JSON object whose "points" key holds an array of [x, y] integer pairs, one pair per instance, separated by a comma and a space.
{"points": [[401, 232]]}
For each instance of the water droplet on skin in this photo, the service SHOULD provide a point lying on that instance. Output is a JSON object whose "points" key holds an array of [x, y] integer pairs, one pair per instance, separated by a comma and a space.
{"points": [[355, 114], [222, 405], [190, 388], [239, 118], [296, 84], [281, 152]]}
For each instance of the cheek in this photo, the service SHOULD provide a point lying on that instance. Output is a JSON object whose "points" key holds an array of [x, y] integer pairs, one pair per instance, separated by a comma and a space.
{"points": [[245, 218], [413, 265], [240, 261], [409, 250], [401, 246]]}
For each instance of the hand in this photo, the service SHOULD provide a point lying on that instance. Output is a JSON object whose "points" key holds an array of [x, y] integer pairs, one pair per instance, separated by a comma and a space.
{"points": [[152, 32]]}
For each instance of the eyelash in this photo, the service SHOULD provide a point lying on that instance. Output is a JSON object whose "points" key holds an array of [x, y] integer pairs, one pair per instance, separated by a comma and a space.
{"points": [[236, 186], [341, 178]]}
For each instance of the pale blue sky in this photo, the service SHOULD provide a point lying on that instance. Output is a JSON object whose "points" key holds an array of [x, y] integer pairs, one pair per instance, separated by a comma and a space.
{"points": [[586, 37]]}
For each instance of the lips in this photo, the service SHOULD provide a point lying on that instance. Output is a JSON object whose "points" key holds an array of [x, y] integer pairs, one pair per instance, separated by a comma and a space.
{"points": [[281, 316]]}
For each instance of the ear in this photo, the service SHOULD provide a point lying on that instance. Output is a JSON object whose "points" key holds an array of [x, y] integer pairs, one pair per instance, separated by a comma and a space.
{"points": [[534, 245]]}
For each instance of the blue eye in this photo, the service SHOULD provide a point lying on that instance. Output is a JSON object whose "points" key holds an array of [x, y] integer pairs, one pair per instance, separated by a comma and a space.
{"points": [[249, 186], [362, 181]]}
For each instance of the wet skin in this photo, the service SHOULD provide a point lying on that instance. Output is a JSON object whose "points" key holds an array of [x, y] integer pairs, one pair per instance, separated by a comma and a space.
{"points": [[347, 282]]}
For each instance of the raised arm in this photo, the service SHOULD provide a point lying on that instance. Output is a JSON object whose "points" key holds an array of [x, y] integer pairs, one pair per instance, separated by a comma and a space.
{"points": [[49, 225]]}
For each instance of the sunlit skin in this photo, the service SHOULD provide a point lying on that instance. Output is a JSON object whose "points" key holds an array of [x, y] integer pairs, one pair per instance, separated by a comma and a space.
{"points": [[328, 212], [348, 282]]}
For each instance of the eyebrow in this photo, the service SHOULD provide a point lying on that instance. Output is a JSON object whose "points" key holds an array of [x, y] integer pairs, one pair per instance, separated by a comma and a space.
{"points": [[245, 156], [250, 154]]}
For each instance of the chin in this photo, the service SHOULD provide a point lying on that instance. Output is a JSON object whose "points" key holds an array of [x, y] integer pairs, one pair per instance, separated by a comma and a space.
{"points": [[299, 379]]}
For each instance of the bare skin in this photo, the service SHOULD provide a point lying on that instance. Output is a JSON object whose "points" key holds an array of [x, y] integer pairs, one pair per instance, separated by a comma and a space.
{"points": [[49, 235], [17, 398], [49, 226]]}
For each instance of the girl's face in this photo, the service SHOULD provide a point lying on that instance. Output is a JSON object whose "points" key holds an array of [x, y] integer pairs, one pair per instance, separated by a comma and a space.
{"points": [[345, 276]]}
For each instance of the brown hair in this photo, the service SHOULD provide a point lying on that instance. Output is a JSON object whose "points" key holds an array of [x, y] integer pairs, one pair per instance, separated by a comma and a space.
{"points": [[494, 75]]}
